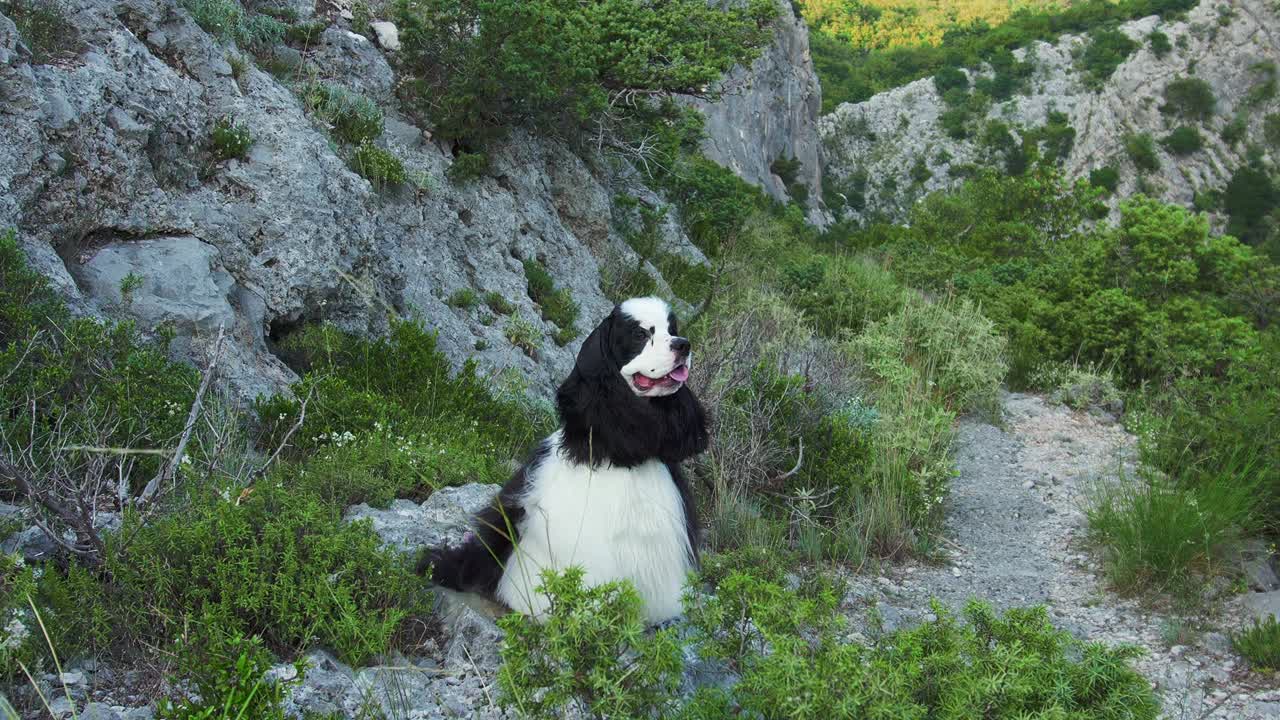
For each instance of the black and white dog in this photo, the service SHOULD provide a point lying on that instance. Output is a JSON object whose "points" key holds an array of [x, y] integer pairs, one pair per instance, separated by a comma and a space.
{"points": [[605, 491]]}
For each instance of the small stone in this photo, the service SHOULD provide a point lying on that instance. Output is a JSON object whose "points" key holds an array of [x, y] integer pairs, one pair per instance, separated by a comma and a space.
{"points": [[1177, 651], [387, 35], [1028, 485], [71, 677], [955, 571]]}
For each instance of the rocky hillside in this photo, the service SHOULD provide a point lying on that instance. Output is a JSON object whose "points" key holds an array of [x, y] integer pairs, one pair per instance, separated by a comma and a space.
{"points": [[887, 152], [111, 176]]}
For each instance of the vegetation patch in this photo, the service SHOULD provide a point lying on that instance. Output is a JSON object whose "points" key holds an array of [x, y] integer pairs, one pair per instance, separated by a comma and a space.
{"points": [[1190, 99], [43, 26], [354, 119], [379, 166], [557, 304], [1184, 140], [1260, 644], [230, 140], [1142, 152]]}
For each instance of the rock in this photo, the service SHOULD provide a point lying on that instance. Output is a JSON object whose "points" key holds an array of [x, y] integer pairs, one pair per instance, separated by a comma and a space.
{"points": [[1257, 568], [354, 58], [770, 112], [1262, 604], [99, 711], [472, 637], [71, 678], [387, 35], [1028, 485], [441, 520], [62, 707]]}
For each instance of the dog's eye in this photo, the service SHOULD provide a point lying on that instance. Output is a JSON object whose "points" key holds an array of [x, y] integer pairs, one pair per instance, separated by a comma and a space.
{"points": [[643, 333]]}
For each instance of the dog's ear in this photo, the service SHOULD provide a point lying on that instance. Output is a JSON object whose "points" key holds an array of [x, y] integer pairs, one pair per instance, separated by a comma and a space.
{"points": [[686, 433], [595, 358]]}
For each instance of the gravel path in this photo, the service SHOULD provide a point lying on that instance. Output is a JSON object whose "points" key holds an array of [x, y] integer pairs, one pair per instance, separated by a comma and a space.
{"points": [[1015, 535]]}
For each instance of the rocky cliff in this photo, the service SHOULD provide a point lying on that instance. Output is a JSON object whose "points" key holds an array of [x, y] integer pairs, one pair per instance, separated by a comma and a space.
{"points": [[107, 175], [770, 112], [893, 149]]}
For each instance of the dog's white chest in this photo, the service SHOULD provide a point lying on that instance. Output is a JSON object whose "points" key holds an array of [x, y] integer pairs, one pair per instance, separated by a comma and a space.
{"points": [[614, 523]]}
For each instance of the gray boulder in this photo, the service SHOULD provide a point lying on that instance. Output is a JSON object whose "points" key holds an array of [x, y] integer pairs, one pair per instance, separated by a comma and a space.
{"points": [[441, 520]]}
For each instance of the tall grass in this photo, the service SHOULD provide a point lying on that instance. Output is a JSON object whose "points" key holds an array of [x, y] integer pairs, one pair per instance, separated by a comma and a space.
{"points": [[1158, 535]]}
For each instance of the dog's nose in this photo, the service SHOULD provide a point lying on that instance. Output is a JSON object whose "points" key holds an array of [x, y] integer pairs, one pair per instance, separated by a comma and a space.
{"points": [[680, 346]]}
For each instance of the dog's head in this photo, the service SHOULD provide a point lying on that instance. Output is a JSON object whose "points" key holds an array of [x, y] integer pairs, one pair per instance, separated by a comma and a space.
{"points": [[640, 342], [626, 396]]}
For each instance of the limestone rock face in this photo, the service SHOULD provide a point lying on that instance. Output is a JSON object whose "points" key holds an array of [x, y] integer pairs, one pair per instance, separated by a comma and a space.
{"points": [[770, 111], [879, 144], [107, 173]]}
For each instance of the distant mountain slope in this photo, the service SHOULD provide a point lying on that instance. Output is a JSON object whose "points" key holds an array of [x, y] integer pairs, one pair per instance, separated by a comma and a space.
{"points": [[884, 154]]}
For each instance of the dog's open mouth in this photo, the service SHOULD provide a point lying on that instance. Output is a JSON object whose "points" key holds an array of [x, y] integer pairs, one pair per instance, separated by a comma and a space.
{"points": [[676, 376]]}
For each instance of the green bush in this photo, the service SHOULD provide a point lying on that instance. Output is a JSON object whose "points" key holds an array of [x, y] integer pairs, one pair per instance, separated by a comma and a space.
{"points": [[1183, 140], [498, 303], [1156, 536], [1250, 198], [464, 298], [230, 682], [379, 166], [1106, 177], [1000, 666], [689, 281], [522, 333], [468, 167], [1142, 151], [227, 21], [43, 26], [71, 606], [230, 140], [590, 651], [73, 381], [1159, 43], [305, 34], [557, 304], [1107, 49], [399, 384], [557, 65], [1271, 130], [1260, 643], [273, 563], [950, 78], [355, 119], [1190, 99]]}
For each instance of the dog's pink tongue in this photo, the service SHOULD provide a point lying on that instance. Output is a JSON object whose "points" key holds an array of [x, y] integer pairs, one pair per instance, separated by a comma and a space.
{"points": [[680, 374], [642, 382]]}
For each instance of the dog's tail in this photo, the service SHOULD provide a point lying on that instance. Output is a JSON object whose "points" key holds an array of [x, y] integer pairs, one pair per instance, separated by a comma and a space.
{"points": [[477, 563]]}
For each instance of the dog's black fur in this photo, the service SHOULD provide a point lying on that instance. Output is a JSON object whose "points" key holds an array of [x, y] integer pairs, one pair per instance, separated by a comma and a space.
{"points": [[603, 421]]}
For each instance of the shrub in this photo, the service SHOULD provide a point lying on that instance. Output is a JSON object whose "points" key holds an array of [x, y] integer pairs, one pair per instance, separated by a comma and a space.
{"points": [[380, 167], [990, 665], [1271, 130], [305, 34], [1081, 387], [1142, 151], [689, 281], [1159, 43], [464, 298], [230, 682], [557, 65], [1107, 49], [269, 562], [522, 333], [498, 303], [1249, 199], [468, 167], [920, 172], [355, 120], [950, 78], [1158, 536], [230, 140], [557, 304], [43, 26], [227, 21], [1260, 643], [399, 384], [1190, 99], [1183, 140], [590, 651], [712, 200], [1106, 177]]}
